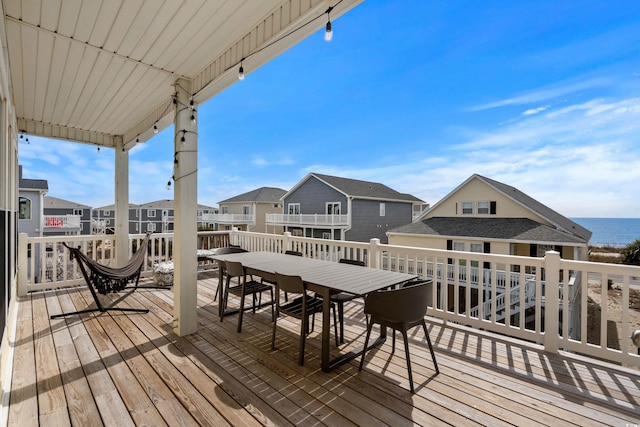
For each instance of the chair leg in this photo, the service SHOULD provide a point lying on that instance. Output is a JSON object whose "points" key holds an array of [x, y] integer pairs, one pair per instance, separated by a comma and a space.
{"points": [[393, 341], [273, 335], [433, 355], [303, 327], [242, 295], [406, 351], [341, 318], [366, 343], [225, 297], [335, 326]]}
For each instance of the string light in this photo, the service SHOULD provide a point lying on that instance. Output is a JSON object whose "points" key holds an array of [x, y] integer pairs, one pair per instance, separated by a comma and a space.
{"points": [[155, 128], [193, 118], [98, 149], [241, 71], [328, 33]]}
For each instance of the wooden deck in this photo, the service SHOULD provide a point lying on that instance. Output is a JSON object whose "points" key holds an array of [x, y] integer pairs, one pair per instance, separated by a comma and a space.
{"points": [[119, 369]]}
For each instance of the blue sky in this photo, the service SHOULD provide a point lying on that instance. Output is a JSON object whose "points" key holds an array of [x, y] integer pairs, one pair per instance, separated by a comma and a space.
{"points": [[418, 95]]}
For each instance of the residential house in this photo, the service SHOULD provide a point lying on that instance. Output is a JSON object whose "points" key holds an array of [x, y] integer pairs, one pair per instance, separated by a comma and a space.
{"points": [[248, 211], [153, 217], [331, 207], [484, 215], [65, 217], [30, 205]]}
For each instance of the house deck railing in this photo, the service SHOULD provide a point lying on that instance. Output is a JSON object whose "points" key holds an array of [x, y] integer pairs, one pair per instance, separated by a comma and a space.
{"points": [[309, 220], [230, 218], [589, 314], [61, 221]]}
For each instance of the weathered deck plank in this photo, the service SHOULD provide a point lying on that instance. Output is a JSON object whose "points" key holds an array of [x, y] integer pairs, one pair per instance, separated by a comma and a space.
{"points": [[130, 369]]}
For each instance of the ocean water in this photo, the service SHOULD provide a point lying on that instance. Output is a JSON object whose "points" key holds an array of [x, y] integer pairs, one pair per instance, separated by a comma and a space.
{"points": [[611, 231]]}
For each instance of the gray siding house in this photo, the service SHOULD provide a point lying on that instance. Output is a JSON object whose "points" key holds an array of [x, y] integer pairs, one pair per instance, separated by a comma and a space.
{"points": [[58, 214], [324, 206], [30, 205]]}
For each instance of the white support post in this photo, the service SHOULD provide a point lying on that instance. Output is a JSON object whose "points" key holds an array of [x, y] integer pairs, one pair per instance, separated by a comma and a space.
{"points": [[551, 300], [23, 264], [121, 226], [286, 241], [374, 256], [185, 251]]}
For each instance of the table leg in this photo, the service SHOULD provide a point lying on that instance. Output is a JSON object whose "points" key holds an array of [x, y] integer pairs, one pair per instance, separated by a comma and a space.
{"points": [[326, 329]]}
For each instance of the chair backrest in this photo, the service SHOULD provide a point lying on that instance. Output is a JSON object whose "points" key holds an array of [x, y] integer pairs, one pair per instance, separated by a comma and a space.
{"points": [[352, 262], [230, 250], [234, 269], [295, 253], [290, 284], [407, 304]]}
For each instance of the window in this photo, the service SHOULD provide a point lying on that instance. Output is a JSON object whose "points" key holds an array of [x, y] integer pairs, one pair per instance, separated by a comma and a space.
{"points": [[77, 212], [297, 232], [151, 213], [458, 246], [137, 230], [333, 208], [382, 209], [476, 247], [294, 208], [225, 210], [151, 227], [467, 208], [24, 209], [246, 210], [105, 213], [326, 235], [483, 207]]}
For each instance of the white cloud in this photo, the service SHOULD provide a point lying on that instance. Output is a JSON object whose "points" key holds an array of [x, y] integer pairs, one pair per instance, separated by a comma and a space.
{"points": [[533, 111]]}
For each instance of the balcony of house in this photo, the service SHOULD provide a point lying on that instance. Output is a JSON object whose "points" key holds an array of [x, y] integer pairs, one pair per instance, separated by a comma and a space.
{"points": [[66, 223], [566, 359], [308, 220], [230, 218]]}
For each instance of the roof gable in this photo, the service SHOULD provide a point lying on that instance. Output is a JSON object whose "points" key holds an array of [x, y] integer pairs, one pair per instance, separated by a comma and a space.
{"points": [[359, 189], [521, 199], [259, 195]]}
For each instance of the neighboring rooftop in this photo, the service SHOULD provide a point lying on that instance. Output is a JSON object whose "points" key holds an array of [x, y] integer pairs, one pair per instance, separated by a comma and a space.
{"points": [[259, 195], [56, 203]]}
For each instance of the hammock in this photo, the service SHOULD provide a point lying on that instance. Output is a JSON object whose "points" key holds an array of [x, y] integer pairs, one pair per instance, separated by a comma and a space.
{"points": [[105, 279]]}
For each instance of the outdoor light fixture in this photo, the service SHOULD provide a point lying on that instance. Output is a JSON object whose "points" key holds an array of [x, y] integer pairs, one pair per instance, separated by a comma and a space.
{"points": [[169, 185], [328, 33], [193, 118], [155, 128], [241, 71]]}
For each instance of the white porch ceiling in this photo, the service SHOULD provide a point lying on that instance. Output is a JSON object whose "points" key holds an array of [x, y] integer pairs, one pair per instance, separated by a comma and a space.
{"points": [[95, 71]]}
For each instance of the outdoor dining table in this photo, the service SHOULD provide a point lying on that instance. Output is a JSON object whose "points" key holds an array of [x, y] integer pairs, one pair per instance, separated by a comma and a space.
{"points": [[324, 278]]}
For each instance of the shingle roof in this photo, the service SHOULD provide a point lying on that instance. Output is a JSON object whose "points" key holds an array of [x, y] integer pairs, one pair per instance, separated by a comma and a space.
{"points": [[522, 229], [262, 194], [365, 189], [54, 202], [544, 211]]}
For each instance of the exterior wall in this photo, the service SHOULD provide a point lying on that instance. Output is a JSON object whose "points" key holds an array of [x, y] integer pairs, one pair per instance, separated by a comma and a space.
{"points": [[262, 209], [366, 222], [476, 190], [436, 242], [313, 196], [32, 226]]}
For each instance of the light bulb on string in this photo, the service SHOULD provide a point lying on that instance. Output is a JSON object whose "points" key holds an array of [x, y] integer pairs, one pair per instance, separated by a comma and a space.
{"points": [[169, 185], [328, 32], [193, 118], [241, 71], [155, 128]]}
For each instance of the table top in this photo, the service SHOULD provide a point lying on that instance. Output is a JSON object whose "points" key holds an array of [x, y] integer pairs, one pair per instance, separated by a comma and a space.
{"points": [[339, 277]]}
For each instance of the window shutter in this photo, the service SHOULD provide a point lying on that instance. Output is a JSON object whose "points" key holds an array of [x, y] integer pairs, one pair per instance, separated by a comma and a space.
{"points": [[533, 250], [492, 208]]}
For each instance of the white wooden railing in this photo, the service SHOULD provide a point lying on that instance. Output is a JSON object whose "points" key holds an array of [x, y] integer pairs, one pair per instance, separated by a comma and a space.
{"points": [[316, 220], [230, 218], [558, 316], [61, 221]]}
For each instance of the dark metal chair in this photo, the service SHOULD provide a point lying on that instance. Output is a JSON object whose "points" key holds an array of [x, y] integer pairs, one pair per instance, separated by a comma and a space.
{"points": [[243, 288], [341, 297], [224, 251], [301, 307], [399, 309]]}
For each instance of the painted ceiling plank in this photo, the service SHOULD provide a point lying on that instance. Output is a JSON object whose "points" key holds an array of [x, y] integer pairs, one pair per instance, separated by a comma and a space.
{"points": [[139, 25], [121, 25], [58, 60], [72, 64], [88, 96], [43, 70], [85, 67], [159, 28], [29, 64], [103, 25], [68, 17], [50, 14], [87, 17]]}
